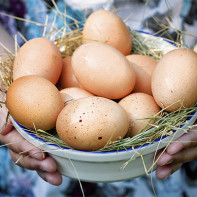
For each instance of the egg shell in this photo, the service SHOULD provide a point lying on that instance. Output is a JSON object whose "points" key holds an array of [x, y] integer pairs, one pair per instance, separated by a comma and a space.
{"points": [[140, 108], [67, 77], [103, 70], [90, 123], [174, 80], [144, 67], [34, 101], [105, 26], [38, 56], [73, 93]]}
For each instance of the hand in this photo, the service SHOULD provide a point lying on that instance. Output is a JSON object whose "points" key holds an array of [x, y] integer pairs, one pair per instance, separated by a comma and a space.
{"points": [[24, 154], [28, 156], [177, 153]]}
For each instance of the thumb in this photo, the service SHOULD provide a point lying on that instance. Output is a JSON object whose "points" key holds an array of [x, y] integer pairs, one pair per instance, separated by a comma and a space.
{"points": [[7, 127]]}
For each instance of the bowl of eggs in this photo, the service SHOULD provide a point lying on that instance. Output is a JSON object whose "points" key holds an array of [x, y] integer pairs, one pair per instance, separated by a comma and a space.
{"points": [[102, 99], [108, 166]]}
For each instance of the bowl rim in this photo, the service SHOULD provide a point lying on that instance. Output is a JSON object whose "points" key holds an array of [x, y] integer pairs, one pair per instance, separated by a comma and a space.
{"points": [[105, 155]]}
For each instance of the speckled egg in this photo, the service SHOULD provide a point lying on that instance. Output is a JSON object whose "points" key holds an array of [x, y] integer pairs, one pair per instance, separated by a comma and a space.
{"points": [[90, 123], [174, 80]]}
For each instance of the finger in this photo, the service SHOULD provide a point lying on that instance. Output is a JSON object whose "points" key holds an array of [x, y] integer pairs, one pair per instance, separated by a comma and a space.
{"points": [[187, 140], [185, 155], [164, 158], [8, 127], [18, 144], [47, 165], [162, 172], [54, 178]]}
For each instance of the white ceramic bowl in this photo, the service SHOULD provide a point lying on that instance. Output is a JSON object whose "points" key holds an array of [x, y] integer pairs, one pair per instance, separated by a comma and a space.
{"points": [[104, 166], [107, 166]]}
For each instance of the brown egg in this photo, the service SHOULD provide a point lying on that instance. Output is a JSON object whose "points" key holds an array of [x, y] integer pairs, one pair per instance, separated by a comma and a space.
{"points": [[90, 123], [140, 108], [67, 77], [34, 102], [70, 94], [144, 67], [103, 70], [174, 80], [40, 57], [105, 26]]}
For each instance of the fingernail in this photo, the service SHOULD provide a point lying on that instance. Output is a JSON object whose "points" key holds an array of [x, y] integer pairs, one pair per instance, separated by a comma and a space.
{"points": [[165, 160], [163, 174]]}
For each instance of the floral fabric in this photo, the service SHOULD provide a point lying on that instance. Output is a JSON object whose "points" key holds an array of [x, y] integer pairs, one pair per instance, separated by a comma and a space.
{"points": [[18, 182]]}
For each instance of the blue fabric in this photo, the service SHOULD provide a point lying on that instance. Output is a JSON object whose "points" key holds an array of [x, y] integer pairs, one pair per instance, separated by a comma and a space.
{"points": [[34, 30], [16, 181], [185, 7]]}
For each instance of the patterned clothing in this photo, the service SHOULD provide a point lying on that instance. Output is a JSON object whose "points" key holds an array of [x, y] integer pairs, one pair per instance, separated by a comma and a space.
{"points": [[18, 182]]}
